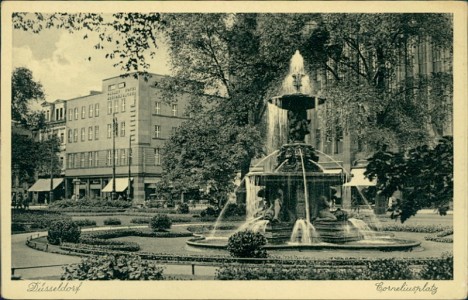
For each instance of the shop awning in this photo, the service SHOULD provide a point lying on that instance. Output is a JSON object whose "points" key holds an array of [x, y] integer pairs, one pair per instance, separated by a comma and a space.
{"points": [[358, 179], [43, 185], [121, 185]]}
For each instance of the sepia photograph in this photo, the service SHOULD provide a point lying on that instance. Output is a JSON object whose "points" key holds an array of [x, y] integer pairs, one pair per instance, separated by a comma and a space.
{"points": [[233, 150]]}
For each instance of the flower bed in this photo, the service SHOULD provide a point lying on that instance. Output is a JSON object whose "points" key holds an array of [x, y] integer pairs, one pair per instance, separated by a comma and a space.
{"points": [[200, 229], [441, 236], [415, 228], [140, 220]]}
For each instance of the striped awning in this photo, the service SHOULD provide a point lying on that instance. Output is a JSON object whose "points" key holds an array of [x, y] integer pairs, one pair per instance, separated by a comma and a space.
{"points": [[43, 185], [121, 185]]}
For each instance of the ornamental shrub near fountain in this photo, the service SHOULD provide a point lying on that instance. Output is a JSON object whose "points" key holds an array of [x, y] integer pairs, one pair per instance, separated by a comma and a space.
{"points": [[63, 231], [247, 244], [160, 222]]}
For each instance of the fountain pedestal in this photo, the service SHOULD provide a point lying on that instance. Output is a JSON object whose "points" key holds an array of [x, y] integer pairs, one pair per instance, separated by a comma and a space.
{"points": [[278, 233], [337, 231]]}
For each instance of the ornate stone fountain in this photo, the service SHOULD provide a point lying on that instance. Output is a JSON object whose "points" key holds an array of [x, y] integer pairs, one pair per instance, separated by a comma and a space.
{"points": [[290, 202]]}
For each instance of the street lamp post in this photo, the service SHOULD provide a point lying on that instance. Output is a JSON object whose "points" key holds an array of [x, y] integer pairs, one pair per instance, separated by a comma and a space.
{"points": [[129, 167], [114, 128]]}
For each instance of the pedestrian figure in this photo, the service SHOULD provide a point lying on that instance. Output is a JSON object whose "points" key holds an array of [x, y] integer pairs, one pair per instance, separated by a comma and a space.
{"points": [[19, 201], [26, 202]]}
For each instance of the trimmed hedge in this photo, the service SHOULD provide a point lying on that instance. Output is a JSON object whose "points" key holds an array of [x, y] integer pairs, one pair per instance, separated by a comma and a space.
{"points": [[140, 220], [378, 269], [247, 244], [85, 222], [414, 228], [36, 219], [90, 203], [441, 236], [112, 221], [113, 268]]}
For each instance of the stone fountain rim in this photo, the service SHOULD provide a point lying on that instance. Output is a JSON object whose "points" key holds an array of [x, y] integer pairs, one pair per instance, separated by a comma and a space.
{"points": [[401, 245]]}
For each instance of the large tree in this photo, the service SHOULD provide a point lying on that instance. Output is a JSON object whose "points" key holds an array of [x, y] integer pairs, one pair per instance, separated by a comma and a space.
{"points": [[24, 91], [363, 54]]}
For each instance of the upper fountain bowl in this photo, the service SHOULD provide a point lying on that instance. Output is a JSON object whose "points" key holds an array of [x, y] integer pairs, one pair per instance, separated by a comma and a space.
{"points": [[296, 101]]}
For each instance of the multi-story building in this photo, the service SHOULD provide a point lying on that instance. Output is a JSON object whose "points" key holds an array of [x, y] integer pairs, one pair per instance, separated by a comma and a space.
{"points": [[131, 114]]}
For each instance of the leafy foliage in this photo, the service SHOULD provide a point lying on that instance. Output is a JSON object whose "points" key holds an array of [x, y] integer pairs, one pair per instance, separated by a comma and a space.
{"points": [[424, 174], [247, 244], [441, 269], [113, 268], [38, 219], [85, 222], [160, 222], [24, 91], [90, 203], [63, 231]]}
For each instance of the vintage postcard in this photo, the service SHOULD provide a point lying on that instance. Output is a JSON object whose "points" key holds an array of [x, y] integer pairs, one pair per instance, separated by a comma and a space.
{"points": [[234, 150]]}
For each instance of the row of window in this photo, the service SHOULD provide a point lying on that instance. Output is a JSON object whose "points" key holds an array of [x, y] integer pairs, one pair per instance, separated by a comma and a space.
{"points": [[58, 115], [157, 131], [91, 159], [116, 129], [113, 106], [92, 110], [157, 108], [93, 134]]}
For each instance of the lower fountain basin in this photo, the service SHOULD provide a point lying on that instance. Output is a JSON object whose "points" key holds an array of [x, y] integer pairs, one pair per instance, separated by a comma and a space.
{"points": [[382, 243]]}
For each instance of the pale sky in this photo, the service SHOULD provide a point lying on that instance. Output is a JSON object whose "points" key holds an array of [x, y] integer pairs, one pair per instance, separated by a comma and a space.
{"points": [[59, 60]]}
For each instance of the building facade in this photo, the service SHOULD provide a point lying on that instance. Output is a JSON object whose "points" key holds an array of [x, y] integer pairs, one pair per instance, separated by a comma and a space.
{"points": [[131, 114]]}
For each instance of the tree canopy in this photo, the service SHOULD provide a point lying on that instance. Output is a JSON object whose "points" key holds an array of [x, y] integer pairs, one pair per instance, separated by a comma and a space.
{"points": [[24, 91]]}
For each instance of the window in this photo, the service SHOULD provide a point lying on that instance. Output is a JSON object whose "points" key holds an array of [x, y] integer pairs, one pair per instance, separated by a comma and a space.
{"points": [[157, 131], [61, 113], [90, 159], [83, 112], [61, 163], [91, 110], [111, 87], [75, 160], [174, 110], [62, 137], [96, 132], [90, 133], [121, 85], [116, 157], [123, 156], [75, 135], [76, 113], [122, 129], [122, 105], [70, 135], [96, 110], [82, 159], [96, 158], [57, 114], [157, 108], [83, 134], [70, 114], [47, 115], [157, 156], [109, 107], [70, 161], [116, 105], [109, 157], [109, 131]]}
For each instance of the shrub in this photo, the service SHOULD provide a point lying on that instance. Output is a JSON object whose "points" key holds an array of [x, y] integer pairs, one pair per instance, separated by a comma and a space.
{"points": [[441, 236], [183, 208], [247, 244], [440, 269], [63, 231], [210, 211], [160, 222], [113, 268], [37, 219], [140, 220], [112, 221], [85, 222]]}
